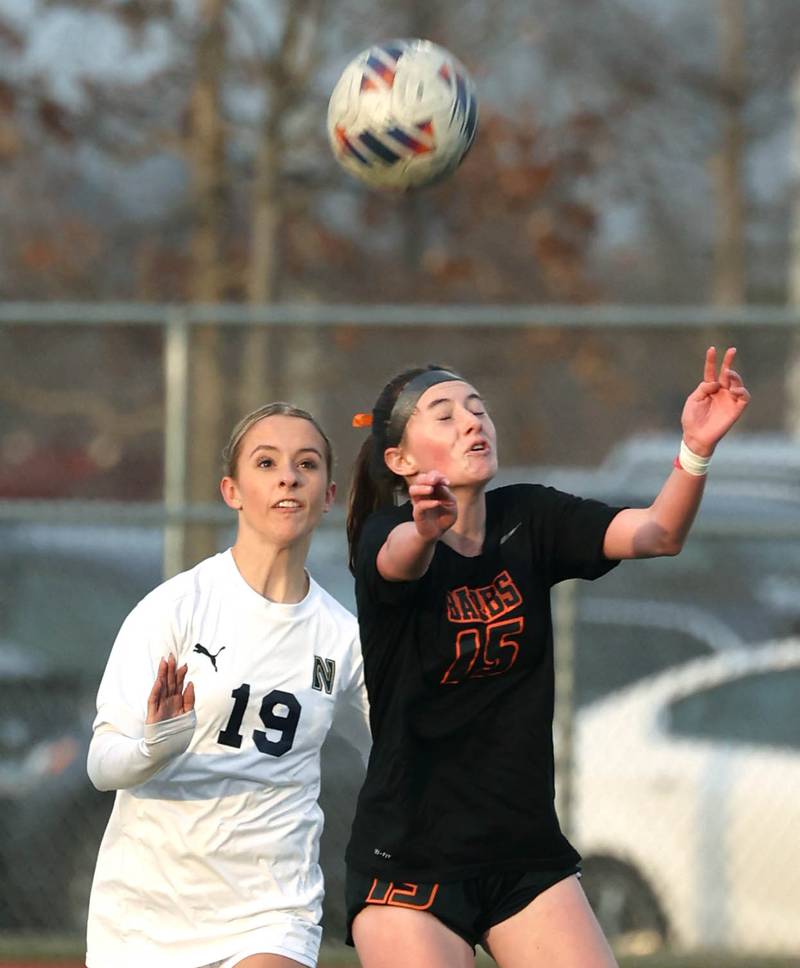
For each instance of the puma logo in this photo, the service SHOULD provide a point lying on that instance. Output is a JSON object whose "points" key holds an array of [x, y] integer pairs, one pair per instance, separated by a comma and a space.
{"points": [[213, 656]]}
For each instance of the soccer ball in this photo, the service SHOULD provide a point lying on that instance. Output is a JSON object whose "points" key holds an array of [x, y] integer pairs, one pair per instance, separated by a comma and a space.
{"points": [[402, 115]]}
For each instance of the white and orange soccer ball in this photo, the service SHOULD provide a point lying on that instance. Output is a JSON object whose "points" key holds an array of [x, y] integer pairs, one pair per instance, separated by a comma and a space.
{"points": [[402, 115]]}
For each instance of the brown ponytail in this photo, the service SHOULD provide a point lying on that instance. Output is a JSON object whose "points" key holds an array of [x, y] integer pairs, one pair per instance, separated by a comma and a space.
{"points": [[368, 492]]}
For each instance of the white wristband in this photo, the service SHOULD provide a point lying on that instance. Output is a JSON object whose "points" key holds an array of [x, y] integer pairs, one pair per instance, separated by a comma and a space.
{"points": [[692, 463]]}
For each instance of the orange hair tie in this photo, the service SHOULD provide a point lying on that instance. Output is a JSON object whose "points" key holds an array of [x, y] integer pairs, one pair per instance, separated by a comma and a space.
{"points": [[362, 420]]}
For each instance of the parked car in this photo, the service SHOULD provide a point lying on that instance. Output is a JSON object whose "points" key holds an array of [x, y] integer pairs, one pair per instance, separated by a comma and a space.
{"points": [[740, 564], [687, 805], [619, 641], [63, 593], [49, 814]]}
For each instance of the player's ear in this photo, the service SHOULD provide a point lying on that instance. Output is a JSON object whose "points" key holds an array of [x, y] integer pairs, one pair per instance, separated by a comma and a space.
{"points": [[330, 494], [230, 493], [399, 462]]}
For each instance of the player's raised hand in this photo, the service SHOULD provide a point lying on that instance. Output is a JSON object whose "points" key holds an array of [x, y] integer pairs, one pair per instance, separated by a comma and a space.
{"points": [[168, 698], [434, 505], [717, 403]]}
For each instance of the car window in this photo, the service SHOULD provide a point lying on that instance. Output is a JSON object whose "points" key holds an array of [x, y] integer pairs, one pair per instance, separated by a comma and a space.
{"points": [[66, 610], [760, 708], [64, 592], [749, 583], [34, 708], [610, 655]]}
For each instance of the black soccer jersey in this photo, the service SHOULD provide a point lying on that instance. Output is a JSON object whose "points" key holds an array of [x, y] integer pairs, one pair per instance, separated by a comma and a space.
{"points": [[459, 672]]}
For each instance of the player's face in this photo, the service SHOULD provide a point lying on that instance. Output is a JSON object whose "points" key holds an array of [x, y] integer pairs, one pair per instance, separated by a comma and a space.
{"points": [[281, 486], [450, 431]]}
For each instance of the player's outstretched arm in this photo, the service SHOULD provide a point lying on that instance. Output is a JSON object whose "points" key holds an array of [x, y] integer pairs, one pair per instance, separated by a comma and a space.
{"points": [[117, 761], [408, 550], [708, 414]]}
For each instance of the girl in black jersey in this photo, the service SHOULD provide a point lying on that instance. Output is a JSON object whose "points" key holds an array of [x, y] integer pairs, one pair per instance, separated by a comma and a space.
{"points": [[455, 839]]}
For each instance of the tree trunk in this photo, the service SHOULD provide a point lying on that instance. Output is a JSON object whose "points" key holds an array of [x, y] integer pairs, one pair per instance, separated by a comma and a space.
{"points": [[206, 156], [297, 361], [793, 281], [258, 369], [421, 18], [729, 283]]}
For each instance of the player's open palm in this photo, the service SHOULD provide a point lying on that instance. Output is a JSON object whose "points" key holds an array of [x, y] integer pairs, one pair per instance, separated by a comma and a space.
{"points": [[715, 405], [168, 698], [433, 503]]}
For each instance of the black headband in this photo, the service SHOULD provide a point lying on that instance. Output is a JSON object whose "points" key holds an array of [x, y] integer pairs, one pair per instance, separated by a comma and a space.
{"points": [[407, 400]]}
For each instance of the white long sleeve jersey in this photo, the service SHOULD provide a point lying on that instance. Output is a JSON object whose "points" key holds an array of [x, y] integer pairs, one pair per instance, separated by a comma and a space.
{"points": [[223, 840]]}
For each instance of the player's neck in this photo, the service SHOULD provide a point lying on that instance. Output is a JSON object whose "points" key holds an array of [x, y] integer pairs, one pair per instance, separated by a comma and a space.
{"points": [[468, 533], [278, 574]]}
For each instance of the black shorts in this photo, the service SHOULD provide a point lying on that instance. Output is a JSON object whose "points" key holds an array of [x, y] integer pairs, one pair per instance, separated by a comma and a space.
{"points": [[469, 907]]}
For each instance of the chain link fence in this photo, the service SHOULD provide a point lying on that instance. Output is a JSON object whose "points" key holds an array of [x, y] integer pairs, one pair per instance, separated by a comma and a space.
{"points": [[677, 738]]}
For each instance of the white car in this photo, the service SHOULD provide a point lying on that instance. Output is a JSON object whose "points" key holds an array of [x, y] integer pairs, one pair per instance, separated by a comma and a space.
{"points": [[687, 805]]}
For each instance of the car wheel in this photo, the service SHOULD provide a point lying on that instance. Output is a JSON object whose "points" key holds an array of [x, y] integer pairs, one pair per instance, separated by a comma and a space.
{"points": [[625, 906]]}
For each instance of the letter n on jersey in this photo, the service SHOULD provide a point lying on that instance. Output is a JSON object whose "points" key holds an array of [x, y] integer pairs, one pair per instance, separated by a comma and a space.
{"points": [[324, 672]]}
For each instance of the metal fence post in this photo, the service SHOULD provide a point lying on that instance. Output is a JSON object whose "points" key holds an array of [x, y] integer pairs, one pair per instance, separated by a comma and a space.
{"points": [[564, 612], [176, 412]]}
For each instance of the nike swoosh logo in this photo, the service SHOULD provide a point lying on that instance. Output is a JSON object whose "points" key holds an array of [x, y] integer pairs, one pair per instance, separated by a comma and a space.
{"points": [[508, 534]]}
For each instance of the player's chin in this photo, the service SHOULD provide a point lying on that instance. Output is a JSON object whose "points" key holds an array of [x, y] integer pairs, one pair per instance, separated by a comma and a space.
{"points": [[479, 472], [295, 527]]}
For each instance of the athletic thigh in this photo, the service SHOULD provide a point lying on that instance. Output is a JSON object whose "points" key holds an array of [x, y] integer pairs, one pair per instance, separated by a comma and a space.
{"points": [[394, 937], [557, 929]]}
